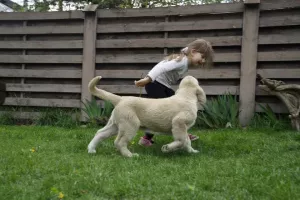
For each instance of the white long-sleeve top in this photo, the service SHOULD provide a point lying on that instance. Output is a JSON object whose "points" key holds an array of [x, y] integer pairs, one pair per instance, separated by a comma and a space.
{"points": [[169, 72]]}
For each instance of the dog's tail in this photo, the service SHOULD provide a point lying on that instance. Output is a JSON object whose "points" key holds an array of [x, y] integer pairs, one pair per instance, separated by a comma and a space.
{"points": [[114, 99]]}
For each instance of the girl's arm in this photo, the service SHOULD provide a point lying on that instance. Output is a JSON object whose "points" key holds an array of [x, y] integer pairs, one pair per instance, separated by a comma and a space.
{"points": [[142, 82]]}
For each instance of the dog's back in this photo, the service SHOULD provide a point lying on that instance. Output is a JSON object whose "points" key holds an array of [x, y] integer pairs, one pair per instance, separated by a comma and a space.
{"points": [[155, 114]]}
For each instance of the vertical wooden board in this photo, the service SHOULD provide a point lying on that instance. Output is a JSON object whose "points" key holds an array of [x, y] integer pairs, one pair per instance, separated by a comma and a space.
{"points": [[23, 53], [89, 56], [2, 92], [248, 64]]}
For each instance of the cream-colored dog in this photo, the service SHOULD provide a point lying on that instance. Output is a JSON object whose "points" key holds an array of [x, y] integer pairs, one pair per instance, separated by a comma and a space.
{"points": [[173, 115]]}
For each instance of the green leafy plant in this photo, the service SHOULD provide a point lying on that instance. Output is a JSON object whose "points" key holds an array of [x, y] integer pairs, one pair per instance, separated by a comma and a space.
{"points": [[97, 114], [56, 117], [268, 118], [219, 112], [269, 115], [7, 118]]}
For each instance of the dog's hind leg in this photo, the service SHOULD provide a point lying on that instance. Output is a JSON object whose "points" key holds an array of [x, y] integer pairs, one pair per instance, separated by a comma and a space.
{"points": [[181, 139], [108, 130], [127, 131]]}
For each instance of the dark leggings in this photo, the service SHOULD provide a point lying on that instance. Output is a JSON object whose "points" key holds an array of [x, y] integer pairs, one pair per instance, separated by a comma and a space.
{"points": [[157, 90]]}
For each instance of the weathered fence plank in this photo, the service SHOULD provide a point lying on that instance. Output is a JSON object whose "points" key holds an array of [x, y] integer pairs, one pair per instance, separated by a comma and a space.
{"points": [[89, 56], [280, 21], [280, 73], [70, 29], [199, 73], [67, 44], [132, 89], [119, 89], [279, 56], [213, 73], [40, 59], [171, 26], [194, 25], [248, 64], [219, 57], [59, 88], [193, 10], [279, 39], [31, 73], [282, 4], [162, 42], [180, 42], [67, 103], [13, 16], [177, 10], [153, 58]]}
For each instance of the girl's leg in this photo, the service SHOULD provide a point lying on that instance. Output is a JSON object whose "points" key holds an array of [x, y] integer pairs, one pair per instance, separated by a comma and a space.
{"points": [[154, 90]]}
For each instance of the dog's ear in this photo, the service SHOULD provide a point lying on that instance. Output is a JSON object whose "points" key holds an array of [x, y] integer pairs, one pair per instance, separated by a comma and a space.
{"points": [[201, 96]]}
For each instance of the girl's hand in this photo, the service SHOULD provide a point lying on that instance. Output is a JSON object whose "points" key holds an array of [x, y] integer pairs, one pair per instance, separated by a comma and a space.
{"points": [[142, 82]]}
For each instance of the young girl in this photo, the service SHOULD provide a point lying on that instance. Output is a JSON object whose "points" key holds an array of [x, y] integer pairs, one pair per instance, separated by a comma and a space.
{"points": [[167, 72]]}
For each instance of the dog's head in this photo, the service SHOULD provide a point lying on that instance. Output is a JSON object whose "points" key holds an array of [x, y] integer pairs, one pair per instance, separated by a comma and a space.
{"points": [[191, 84]]}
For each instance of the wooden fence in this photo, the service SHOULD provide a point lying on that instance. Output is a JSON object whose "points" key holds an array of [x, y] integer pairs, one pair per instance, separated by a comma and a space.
{"points": [[47, 59]]}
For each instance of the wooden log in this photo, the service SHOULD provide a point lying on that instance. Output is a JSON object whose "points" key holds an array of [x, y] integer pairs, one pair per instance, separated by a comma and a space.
{"points": [[248, 64]]}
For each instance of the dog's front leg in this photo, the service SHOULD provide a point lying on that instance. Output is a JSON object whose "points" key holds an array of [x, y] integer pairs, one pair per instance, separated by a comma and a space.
{"points": [[181, 139], [188, 146], [179, 144]]}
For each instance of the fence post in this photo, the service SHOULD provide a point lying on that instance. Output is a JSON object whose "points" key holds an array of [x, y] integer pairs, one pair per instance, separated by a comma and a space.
{"points": [[89, 53], [248, 61]]}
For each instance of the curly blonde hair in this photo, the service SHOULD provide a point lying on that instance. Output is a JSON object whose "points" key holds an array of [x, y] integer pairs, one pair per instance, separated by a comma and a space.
{"points": [[200, 45]]}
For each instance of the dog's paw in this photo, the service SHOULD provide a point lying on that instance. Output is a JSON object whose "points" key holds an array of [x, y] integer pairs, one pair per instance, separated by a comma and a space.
{"points": [[91, 151], [130, 155], [165, 148], [194, 151]]}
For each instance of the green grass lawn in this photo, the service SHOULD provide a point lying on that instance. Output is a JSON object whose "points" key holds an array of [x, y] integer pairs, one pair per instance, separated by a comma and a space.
{"points": [[52, 163]]}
